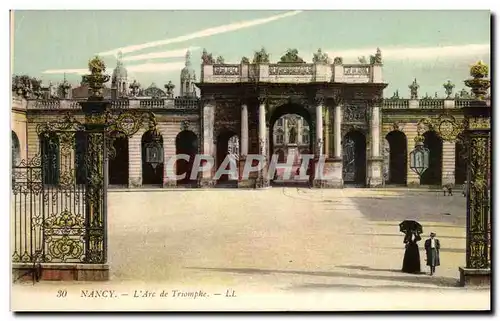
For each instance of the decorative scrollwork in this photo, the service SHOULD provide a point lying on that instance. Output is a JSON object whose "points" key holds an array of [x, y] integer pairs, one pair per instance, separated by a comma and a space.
{"points": [[446, 126], [354, 113]]}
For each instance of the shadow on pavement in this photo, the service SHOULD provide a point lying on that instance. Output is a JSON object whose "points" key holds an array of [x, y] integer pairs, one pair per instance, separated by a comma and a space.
{"points": [[442, 250], [383, 287], [439, 281], [401, 235], [430, 208]]}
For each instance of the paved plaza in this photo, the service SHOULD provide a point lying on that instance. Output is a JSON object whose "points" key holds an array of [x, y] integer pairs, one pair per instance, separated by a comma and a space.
{"points": [[280, 248]]}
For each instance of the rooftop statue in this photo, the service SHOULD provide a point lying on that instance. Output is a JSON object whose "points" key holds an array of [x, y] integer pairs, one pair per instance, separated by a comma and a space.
{"points": [[245, 60], [207, 58], [321, 58], [291, 56], [220, 60], [362, 60], [261, 57]]}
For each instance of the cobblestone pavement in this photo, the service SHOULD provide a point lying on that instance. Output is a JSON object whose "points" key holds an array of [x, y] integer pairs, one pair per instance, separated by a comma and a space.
{"points": [[297, 244]]}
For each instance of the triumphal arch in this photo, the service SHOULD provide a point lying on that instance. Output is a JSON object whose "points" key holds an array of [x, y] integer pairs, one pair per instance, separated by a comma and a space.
{"points": [[341, 104]]}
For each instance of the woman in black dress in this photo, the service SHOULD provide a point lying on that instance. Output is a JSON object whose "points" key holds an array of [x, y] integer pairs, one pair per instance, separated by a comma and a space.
{"points": [[411, 260]]}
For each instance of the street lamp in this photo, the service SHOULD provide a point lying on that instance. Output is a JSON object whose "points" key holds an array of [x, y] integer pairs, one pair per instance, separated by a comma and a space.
{"points": [[154, 149], [419, 157]]}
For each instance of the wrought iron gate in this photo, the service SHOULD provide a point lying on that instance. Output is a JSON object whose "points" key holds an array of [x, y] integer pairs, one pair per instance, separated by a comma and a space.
{"points": [[349, 160], [58, 209]]}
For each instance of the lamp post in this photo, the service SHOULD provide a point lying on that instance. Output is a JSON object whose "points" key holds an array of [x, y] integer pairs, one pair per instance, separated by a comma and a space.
{"points": [[419, 157]]}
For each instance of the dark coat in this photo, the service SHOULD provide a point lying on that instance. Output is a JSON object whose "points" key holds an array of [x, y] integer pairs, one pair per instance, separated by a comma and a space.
{"points": [[432, 256]]}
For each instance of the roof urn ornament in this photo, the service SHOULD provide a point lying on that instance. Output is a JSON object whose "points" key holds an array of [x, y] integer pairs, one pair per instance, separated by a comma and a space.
{"points": [[97, 78], [170, 89], [479, 83], [448, 87], [338, 61], [219, 60], [135, 88], [414, 89], [245, 61], [291, 56], [64, 87]]}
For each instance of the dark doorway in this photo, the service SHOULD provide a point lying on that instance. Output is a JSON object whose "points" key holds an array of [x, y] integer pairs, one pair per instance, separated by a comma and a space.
{"points": [[49, 150], [16, 149], [354, 158], [151, 175], [432, 176], [186, 143], [397, 157], [227, 143], [460, 164], [118, 165]]}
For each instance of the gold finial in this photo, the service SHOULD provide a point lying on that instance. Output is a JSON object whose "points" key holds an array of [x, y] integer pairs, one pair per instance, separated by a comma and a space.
{"points": [[479, 70], [96, 65]]}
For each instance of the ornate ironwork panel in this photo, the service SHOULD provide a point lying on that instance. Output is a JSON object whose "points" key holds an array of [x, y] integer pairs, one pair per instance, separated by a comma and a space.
{"points": [[349, 159], [478, 201]]}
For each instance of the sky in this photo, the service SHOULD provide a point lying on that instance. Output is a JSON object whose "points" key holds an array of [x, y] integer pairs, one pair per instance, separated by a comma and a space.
{"points": [[431, 46]]}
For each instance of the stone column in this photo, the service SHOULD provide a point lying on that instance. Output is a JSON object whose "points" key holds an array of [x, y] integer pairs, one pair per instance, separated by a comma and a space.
{"points": [[335, 163], [208, 139], [262, 180], [448, 166], [376, 161], [244, 130], [327, 150], [319, 128]]}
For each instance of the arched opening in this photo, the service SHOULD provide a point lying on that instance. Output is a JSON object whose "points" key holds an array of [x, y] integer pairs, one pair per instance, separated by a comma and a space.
{"points": [[16, 149], [80, 147], [290, 135], [398, 157], [151, 175], [49, 151], [432, 176], [460, 164], [227, 146], [354, 158], [118, 164], [186, 143]]}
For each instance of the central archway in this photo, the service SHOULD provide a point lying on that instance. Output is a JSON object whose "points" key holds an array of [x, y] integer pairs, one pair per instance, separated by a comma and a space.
{"points": [[227, 144], [290, 132], [432, 176], [354, 158], [186, 143]]}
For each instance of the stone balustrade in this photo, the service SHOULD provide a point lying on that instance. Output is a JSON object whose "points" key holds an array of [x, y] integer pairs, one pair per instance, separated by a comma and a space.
{"points": [[178, 103], [403, 103], [291, 73]]}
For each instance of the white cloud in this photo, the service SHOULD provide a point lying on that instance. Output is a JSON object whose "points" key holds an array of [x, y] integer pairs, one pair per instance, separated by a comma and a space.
{"points": [[420, 53], [141, 68], [200, 34], [66, 71], [162, 54]]}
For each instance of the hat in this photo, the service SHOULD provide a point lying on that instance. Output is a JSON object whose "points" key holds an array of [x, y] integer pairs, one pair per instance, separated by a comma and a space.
{"points": [[433, 234]]}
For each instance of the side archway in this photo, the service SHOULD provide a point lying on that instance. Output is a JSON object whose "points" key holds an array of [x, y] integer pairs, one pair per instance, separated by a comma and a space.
{"points": [[151, 175], [432, 176], [118, 170], [398, 157], [186, 142], [15, 149]]}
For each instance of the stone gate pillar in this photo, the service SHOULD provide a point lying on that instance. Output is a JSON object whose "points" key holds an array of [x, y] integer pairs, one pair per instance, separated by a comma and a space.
{"points": [[478, 143], [375, 160]]}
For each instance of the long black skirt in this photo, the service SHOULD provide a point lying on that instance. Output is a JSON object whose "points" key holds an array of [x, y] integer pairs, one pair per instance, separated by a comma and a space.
{"points": [[411, 260]]}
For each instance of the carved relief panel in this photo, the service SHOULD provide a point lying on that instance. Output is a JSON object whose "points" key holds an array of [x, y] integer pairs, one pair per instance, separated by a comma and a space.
{"points": [[227, 117]]}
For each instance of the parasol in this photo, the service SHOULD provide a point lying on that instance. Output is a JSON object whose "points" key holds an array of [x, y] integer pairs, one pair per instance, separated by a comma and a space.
{"points": [[410, 226]]}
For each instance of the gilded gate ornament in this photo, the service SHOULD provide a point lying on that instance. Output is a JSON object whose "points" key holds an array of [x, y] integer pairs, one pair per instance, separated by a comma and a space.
{"points": [[446, 126]]}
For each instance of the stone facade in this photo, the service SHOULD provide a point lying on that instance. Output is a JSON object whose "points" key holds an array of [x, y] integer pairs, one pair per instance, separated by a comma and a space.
{"points": [[335, 111]]}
